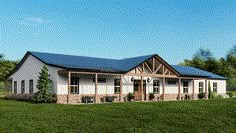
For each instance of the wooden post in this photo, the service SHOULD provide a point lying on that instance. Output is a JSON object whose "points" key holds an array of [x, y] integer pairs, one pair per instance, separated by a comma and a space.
{"points": [[206, 90], [121, 98], [179, 92], [69, 77], [193, 89], [163, 88], [142, 96], [96, 87]]}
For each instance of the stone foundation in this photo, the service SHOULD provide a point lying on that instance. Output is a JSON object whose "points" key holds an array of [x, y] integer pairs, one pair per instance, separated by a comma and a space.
{"points": [[77, 98]]}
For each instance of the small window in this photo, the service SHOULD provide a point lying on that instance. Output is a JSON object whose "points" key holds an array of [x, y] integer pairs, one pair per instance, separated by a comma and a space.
{"points": [[74, 85], [100, 80], [117, 85], [171, 82], [22, 87], [215, 87], [185, 86], [200, 87], [15, 87], [31, 86], [156, 86]]}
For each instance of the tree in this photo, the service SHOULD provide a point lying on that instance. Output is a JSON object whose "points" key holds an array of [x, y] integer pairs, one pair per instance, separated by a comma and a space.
{"points": [[1, 56], [44, 86]]}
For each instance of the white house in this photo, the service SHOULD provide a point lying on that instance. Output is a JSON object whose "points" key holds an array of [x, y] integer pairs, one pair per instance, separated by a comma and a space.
{"points": [[75, 77]]}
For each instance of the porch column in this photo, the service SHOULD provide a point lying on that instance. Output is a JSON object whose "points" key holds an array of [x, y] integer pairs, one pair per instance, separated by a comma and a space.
{"points": [[68, 96], [206, 90], [163, 88], [179, 92], [121, 98], [142, 96], [96, 88], [193, 89]]}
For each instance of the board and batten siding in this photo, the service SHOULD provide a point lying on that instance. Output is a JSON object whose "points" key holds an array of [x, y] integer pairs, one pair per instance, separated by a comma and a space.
{"points": [[29, 70]]}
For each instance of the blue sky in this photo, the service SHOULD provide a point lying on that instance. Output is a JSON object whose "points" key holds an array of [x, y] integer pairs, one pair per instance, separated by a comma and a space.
{"points": [[173, 29]]}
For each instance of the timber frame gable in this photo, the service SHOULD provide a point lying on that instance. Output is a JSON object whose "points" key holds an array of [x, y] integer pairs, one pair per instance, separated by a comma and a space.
{"points": [[155, 67]]}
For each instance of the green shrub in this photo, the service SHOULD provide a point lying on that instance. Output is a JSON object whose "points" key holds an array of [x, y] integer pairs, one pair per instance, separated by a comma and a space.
{"points": [[201, 95], [151, 96], [231, 93], [130, 96], [214, 95]]}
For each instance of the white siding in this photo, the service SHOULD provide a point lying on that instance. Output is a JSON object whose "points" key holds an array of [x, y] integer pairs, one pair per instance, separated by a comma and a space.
{"points": [[196, 85], [221, 86], [30, 70]]}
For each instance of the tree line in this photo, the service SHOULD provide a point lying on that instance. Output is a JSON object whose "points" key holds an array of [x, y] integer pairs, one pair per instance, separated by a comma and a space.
{"points": [[224, 66]]}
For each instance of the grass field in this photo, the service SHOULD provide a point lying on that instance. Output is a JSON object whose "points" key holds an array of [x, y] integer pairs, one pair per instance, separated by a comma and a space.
{"points": [[179, 116], [1, 93]]}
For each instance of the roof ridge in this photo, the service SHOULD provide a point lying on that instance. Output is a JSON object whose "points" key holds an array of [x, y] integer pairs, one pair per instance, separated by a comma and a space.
{"points": [[72, 55]]}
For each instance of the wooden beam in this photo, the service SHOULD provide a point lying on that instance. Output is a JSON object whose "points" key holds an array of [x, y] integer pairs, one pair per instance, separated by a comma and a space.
{"points": [[193, 89], [148, 67], [121, 91], [179, 87], [163, 88], [167, 65], [68, 96], [139, 69], [150, 75], [166, 71], [163, 70], [96, 87], [84, 72], [142, 96], [158, 68]]}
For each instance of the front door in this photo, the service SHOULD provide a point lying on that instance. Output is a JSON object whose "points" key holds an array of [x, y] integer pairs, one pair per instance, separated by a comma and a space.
{"points": [[137, 90]]}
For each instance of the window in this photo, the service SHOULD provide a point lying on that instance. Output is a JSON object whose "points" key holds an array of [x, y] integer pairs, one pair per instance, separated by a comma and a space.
{"points": [[31, 86], [200, 87], [185, 85], [156, 86], [15, 87], [74, 85], [171, 82], [214, 87], [100, 80], [22, 87], [117, 85]]}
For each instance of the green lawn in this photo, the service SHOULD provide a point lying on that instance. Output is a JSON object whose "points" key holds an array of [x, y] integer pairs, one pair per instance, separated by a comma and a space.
{"points": [[179, 116], [1, 93]]}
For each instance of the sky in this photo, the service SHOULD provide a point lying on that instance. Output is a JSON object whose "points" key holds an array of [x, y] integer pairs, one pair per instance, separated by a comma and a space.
{"points": [[173, 29]]}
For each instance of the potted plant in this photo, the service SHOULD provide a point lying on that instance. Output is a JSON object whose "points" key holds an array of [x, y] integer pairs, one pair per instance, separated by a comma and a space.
{"points": [[151, 96], [131, 96]]}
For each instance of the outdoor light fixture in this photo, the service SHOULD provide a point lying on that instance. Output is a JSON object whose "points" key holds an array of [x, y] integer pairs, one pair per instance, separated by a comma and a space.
{"points": [[148, 80], [132, 79]]}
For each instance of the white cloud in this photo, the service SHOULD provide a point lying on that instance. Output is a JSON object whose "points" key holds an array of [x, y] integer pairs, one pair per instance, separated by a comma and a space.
{"points": [[32, 21]]}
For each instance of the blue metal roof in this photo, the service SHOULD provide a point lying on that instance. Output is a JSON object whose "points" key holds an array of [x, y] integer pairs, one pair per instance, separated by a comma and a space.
{"points": [[112, 65], [192, 71], [91, 63]]}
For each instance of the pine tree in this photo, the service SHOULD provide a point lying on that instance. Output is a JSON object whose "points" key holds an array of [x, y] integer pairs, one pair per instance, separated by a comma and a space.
{"points": [[44, 86], [209, 90], [44, 81]]}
